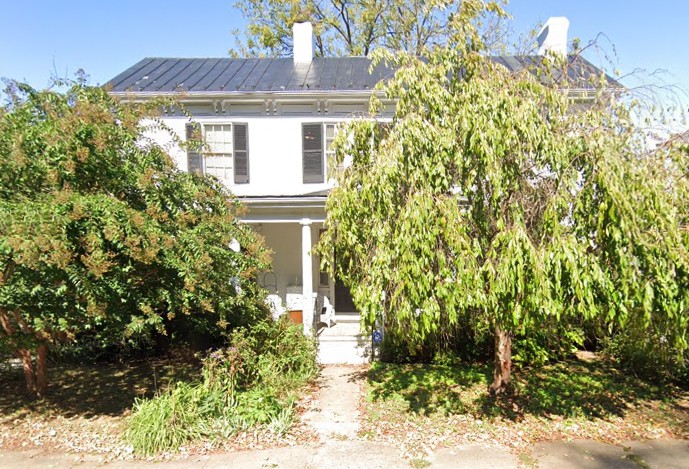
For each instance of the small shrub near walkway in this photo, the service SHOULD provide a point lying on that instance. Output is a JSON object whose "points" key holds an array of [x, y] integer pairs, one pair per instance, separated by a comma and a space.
{"points": [[252, 383], [420, 407]]}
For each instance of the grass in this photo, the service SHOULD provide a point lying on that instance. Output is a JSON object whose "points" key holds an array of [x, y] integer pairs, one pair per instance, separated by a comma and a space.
{"points": [[421, 407], [419, 463], [245, 395], [168, 421]]}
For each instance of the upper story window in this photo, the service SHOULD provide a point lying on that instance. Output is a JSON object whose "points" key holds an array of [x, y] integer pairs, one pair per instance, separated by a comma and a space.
{"points": [[226, 154], [317, 140]]}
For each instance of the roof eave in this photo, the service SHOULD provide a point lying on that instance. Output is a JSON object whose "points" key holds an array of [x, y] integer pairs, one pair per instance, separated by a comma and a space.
{"points": [[214, 95]]}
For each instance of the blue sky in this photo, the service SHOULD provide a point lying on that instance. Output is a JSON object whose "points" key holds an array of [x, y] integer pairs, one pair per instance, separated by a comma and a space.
{"points": [[40, 38]]}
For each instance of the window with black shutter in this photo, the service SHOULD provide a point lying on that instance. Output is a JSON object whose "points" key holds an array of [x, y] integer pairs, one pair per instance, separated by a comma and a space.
{"points": [[217, 159], [313, 157], [225, 154]]}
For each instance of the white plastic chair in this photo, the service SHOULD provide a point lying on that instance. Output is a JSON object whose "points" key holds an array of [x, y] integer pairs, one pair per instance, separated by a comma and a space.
{"points": [[328, 313], [274, 303]]}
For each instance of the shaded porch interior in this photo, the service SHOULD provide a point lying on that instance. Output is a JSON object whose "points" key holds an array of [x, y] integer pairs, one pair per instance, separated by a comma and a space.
{"points": [[293, 262]]}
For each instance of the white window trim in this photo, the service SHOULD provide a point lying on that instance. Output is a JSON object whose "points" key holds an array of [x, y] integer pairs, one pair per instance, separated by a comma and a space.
{"points": [[207, 151], [204, 152]]}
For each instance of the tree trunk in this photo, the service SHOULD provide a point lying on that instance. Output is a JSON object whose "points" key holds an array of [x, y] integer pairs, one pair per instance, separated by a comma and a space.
{"points": [[29, 373], [42, 369], [36, 377], [503, 360]]}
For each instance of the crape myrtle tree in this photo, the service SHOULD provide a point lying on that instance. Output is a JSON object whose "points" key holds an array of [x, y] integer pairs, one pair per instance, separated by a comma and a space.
{"points": [[490, 196], [350, 27], [99, 231]]}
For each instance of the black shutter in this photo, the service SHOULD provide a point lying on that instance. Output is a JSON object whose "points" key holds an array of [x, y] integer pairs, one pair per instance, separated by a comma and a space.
{"points": [[194, 164], [312, 146], [241, 153]]}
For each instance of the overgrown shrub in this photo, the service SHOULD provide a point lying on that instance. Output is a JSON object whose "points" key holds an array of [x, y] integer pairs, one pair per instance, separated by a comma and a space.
{"points": [[550, 341], [648, 354], [276, 354], [468, 340], [471, 342], [100, 231], [250, 383]]}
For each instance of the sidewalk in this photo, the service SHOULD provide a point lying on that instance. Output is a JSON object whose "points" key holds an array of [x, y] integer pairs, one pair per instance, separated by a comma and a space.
{"points": [[347, 454]]}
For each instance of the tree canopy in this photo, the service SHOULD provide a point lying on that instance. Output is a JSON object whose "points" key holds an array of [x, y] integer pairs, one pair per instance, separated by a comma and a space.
{"points": [[100, 231], [495, 195], [347, 27]]}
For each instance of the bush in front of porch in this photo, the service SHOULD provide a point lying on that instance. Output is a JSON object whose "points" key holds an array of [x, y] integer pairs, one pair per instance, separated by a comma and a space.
{"points": [[251, 384]]}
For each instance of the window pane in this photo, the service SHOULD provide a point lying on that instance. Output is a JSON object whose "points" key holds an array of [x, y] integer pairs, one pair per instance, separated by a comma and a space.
{"points": [[323, 279], [220, 167], [312, 137], [219, 138]]}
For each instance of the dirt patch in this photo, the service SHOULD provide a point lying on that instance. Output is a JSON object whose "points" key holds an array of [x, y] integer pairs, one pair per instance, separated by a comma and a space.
{"points": [[85, 407]]}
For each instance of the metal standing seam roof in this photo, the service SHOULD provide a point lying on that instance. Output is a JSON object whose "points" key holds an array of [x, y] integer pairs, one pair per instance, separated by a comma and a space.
{"points": [[246, 75]]}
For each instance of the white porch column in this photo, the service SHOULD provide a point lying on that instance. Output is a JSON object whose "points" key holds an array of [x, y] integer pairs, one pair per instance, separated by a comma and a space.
{"points": [[307, 275]]}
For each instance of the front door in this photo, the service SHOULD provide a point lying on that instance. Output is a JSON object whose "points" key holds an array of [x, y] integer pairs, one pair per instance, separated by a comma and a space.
{"points": [[343, 299]]}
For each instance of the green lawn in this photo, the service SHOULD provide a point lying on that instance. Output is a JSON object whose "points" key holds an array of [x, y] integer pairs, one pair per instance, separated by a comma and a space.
{"points": [[420, 407]]}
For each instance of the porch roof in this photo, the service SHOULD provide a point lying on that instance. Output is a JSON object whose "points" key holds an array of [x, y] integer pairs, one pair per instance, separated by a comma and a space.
{"points": [[285, 209]]}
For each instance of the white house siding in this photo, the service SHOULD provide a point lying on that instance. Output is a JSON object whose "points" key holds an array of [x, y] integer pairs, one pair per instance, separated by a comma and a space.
{"points": [[275, 152], [164, 139]]}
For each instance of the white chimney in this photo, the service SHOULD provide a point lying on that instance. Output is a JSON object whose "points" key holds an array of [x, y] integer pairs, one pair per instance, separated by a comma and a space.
{"points": [[303, 42], [553, 36]]}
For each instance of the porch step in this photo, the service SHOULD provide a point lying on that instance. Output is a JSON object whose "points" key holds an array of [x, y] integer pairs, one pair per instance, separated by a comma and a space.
{"points": [[347, 318], [344, 350], [343, 343], [347, 329]]}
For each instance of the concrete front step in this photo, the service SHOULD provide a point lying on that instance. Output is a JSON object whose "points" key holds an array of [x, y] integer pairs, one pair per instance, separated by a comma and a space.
{"points": [[344, 350], [347, 317], [341, 329], [343, 343]]}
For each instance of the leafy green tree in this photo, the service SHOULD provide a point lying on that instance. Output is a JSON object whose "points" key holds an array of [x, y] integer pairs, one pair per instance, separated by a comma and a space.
{"points": [[348, 27], [98, 230], [492, 194]]}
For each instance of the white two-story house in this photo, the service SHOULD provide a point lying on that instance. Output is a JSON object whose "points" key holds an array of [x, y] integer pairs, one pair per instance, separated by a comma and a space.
{"points": [[268, 124]]}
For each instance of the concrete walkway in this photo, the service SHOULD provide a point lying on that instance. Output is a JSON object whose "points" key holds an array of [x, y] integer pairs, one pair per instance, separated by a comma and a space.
{"points": [[335, 412], [334, 416]]}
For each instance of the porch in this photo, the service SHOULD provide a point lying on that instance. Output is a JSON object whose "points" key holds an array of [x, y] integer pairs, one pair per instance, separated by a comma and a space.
{"points": [[291, 226]]}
